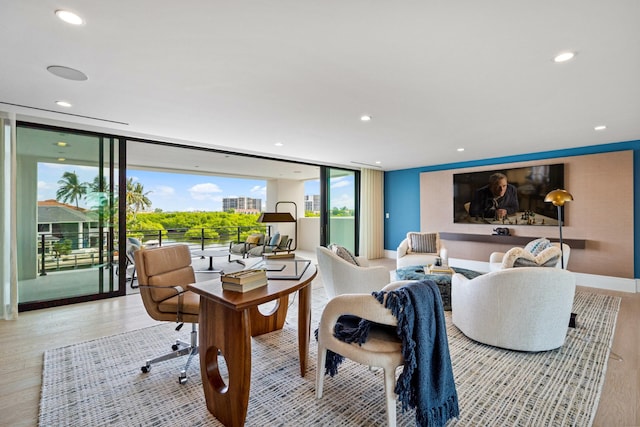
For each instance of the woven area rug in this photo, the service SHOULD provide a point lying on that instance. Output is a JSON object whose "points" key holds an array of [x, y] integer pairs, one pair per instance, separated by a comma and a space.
{"points": [[100, 383]]}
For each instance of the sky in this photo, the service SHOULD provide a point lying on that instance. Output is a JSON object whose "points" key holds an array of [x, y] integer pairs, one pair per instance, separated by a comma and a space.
{"points": [[180, 192]]}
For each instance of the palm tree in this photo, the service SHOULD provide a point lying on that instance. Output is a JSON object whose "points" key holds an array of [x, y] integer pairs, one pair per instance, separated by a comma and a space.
{"points": [[71, 189], [137, 199]]}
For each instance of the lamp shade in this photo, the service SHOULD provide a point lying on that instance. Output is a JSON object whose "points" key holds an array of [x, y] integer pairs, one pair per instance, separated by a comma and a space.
{"points": [[558, 197], [276, 217]]}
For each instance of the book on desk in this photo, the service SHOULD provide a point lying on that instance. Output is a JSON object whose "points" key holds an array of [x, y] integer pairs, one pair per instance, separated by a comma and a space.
{"points": [[244, 281]]}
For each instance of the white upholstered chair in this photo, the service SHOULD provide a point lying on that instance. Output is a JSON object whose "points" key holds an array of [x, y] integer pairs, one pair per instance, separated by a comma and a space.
{"points": [[408, 253], [382, 349], [496, 258], [524, 308], [342, 277]]}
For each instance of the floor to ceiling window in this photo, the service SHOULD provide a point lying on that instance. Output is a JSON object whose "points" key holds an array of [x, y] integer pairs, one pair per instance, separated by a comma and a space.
{"points": [[66, 218], [340, 207], [71, 188]]}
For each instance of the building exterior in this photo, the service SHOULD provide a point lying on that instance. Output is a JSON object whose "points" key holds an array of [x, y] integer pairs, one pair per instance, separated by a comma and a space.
{"points": [[312, 203], [242, 204]]}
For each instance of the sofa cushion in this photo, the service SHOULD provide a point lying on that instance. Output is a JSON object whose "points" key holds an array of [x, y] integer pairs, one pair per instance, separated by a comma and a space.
{"points": [[422, 242], [343, 253], [253, 239], [275, 239], [519, 257], [538, 245]]}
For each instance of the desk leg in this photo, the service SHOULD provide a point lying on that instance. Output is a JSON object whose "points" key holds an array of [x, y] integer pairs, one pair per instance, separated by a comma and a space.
{"points": [[304, 326], [228, 330], [262, 324]]}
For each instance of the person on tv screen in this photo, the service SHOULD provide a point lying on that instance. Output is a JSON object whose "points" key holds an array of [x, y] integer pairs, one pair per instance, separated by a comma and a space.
{"points": [[495, 200]]}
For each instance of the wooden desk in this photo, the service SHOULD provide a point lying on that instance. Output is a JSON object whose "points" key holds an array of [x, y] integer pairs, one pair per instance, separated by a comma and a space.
{"points": [[227, 321]]}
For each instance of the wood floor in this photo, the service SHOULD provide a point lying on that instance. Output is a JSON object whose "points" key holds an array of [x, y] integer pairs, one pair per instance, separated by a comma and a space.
{"points": [[25, 340]]}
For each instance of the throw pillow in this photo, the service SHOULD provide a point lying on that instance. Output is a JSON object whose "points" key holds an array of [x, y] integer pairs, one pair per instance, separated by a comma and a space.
{"points": [[344, 253], [537, 246], [254, 239], [518, 257], [275, 239], [423, 242]]}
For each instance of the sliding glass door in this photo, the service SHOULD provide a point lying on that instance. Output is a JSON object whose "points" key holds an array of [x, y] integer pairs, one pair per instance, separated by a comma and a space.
{"points": [[340, 207], [66, 216]]}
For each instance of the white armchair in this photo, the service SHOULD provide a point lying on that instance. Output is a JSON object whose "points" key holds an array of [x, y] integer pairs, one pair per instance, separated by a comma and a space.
{"points": [[524, 308], [342, 277], [409, 253]]}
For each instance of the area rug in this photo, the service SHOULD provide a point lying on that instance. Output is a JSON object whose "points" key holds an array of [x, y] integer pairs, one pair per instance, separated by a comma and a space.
{"points": [[99, 382]]}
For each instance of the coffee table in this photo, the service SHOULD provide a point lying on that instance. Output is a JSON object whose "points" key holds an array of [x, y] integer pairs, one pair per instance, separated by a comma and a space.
{"points": [[211, 253], [227, 322], [417, 272]]}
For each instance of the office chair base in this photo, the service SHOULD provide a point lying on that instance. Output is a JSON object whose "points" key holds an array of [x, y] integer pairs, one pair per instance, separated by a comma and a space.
{"points": [[180, 348]]}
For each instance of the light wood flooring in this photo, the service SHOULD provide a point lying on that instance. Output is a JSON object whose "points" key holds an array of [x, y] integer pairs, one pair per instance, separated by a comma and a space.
{"points": [[25, 340]]}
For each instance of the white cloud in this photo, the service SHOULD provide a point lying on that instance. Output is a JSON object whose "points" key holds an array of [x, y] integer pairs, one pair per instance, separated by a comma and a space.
{"points": [[339, 183], [259, 190], [204, 191], [163, 191], [344, 200]]}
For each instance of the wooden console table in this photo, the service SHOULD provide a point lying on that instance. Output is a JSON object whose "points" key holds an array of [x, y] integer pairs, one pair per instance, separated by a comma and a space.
{"points": [[227, 322], [507, 240]]}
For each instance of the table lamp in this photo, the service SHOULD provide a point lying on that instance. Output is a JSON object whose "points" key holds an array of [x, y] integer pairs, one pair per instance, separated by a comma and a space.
{"points": [[558, 198]]}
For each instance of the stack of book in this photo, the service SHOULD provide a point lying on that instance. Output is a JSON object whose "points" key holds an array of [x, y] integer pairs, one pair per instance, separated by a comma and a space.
{"points": [[439, 269], [279, 255], [244, 281]]}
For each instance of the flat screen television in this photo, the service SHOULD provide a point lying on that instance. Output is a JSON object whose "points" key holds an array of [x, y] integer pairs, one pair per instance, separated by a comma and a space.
{"points": [[531, 183]]}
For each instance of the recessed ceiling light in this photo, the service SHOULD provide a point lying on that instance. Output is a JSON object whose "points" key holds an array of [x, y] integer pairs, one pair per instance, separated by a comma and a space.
{"points": [[564, 56], [365, 118], [67, 73], [601, 127], [378, 162], [63, 104], [61, 144], [69, 17], [460, 149], [278, 144], [61, 159]]}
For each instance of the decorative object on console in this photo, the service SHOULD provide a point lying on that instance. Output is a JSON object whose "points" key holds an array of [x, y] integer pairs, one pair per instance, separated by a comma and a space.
{"points": [[559, 198]]}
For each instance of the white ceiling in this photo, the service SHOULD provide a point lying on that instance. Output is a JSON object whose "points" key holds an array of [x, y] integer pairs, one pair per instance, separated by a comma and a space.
{"points": [[241, 76]]}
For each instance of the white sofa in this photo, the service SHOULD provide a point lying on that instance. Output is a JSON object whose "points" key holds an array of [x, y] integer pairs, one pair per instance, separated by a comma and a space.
{"points": [[405, 256], [496, 258], [342, 277], [524, 308]]}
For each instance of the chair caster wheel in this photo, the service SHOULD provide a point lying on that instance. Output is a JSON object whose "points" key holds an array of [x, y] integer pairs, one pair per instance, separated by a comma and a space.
{"points": [[175, 347], [145, 368]]}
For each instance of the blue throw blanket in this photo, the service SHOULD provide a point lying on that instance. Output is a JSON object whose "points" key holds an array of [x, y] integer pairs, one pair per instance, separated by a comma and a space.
{"points": [[426, 382]]}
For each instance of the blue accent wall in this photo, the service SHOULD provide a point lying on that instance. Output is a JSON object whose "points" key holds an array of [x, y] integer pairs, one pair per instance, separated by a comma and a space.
{"points": [[402, 189]]}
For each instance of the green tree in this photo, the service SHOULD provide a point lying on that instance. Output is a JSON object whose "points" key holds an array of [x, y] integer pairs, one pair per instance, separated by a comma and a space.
{"points": [[71, 189], [61, 247], [137, 199]]}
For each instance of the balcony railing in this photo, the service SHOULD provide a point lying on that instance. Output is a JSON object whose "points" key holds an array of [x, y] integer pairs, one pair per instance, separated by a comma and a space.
{"points": [[76, 250]]}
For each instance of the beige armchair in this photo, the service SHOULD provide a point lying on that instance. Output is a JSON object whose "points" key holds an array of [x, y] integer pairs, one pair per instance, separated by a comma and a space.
{"points": [[524, 308], [420, 248], [242, 249], [163, 276], [342, 277]]}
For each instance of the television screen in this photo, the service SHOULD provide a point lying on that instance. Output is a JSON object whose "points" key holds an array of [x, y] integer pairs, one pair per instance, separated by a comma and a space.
{"points": [[507, 196]]}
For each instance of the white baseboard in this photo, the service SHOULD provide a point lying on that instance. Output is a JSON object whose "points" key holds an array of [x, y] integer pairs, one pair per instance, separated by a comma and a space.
{"points": [[610, 283]]}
